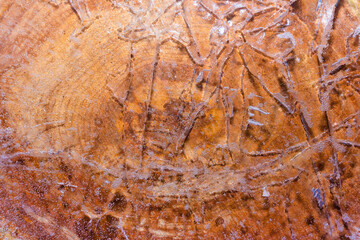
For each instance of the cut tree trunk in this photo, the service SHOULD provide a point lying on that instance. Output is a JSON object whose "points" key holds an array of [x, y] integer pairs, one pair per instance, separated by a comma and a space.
{"points": [[179, 119]]}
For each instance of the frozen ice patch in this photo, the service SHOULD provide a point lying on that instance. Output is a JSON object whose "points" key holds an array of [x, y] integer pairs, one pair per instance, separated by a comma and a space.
{"points": [[265, 193]]}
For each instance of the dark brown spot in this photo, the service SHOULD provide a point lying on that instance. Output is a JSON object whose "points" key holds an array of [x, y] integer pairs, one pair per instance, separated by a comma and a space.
{"points": [[65, 204], [243, 229], [247, 197], [320, 166], [348, 174], [118, 202], [310, 220], [283, 85], [299, 198], [187, 214], [291, 62], [230, 16], [179, 178], [219, 221], [344, 237], [336, 205], [83, 228], [210, 204], [106, 229], [20, 161], [266, 204], [65, 168]]}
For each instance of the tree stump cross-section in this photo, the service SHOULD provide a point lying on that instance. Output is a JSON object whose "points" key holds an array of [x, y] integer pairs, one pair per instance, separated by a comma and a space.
{"points": [[184, 119]]}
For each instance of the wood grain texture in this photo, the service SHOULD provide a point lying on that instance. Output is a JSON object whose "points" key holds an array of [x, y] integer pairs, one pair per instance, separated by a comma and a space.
{"points": [[186, 119]]}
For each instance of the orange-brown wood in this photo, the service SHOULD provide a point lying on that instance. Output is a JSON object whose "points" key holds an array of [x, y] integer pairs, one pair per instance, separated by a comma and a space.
{"points": [[184, 119]]}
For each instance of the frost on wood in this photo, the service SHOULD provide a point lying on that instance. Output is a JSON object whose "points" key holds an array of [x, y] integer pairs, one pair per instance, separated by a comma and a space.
{"points": [[160, 119]]}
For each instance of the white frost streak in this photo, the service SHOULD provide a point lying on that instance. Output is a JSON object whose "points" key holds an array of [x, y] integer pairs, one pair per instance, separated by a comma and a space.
{"points": [[253, 122], [258, 109]]}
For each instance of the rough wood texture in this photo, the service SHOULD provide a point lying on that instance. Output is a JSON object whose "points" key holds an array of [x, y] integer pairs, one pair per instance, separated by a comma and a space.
{"points": [[193, 119]]}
